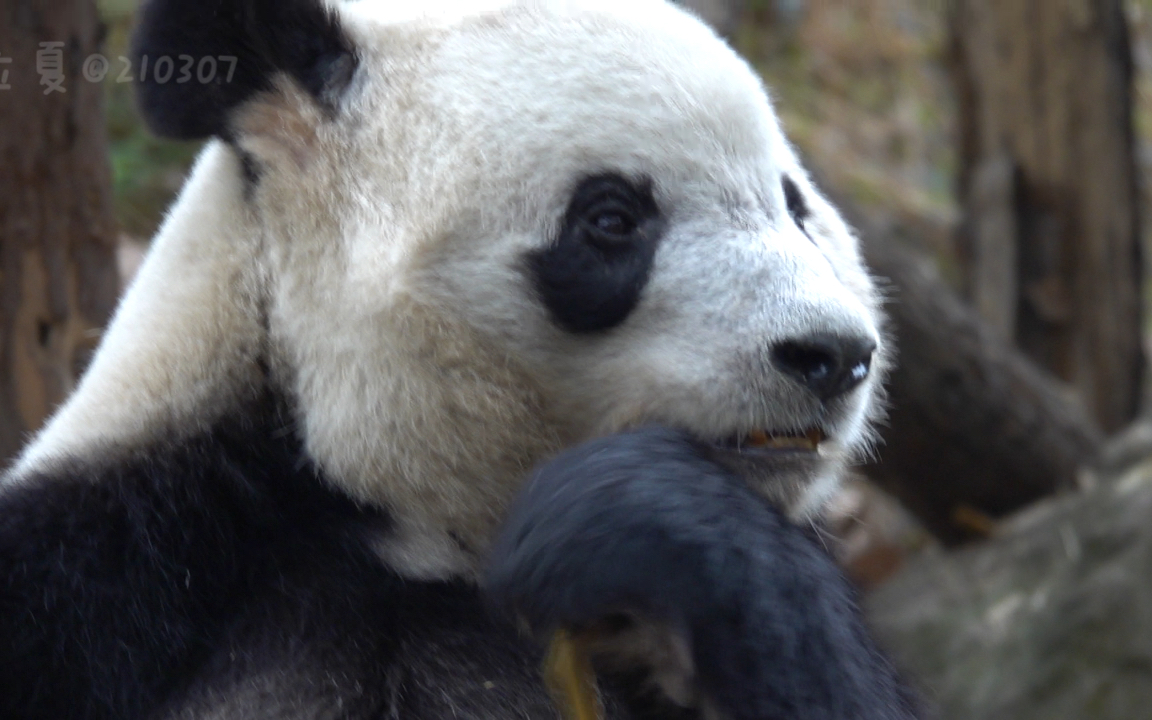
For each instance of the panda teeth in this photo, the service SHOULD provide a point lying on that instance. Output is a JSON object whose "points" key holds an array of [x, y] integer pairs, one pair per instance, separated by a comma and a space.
{"points": [[761, 439]]}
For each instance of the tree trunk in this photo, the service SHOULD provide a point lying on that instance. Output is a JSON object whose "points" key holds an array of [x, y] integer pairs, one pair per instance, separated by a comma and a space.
{"points": [[975, 430], [58, 280], [1048, 186]]}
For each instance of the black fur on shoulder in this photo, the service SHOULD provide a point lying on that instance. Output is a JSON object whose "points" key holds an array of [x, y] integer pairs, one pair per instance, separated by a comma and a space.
{"points": [[219, 576], [118, 580], [194, 61], [642, 524]]}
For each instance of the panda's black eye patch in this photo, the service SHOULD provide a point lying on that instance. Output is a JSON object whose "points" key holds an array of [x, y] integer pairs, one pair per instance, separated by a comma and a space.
{"points": [[797, 206], [591, 276]]}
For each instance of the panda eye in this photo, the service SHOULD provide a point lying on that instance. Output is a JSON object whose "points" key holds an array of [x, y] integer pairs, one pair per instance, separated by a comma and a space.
{"points": [[612, 224], [611, 213]]}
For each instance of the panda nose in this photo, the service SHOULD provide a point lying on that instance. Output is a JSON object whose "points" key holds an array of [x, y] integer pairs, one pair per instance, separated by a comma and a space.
{"points": [[828, 365]]}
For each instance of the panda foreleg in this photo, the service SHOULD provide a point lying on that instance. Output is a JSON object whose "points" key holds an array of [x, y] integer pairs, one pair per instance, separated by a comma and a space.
{"points": [[647, 548]]}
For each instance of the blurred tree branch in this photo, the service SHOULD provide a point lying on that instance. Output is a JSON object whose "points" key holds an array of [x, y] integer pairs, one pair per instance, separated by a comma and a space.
{"points": [[975, 429]]}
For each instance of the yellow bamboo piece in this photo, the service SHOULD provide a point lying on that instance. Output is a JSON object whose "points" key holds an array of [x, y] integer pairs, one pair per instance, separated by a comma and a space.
{"points": [[569, 676]]}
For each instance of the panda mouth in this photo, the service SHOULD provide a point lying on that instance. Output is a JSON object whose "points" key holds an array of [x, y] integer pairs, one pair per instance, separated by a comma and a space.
{"points": [[769, 441]]}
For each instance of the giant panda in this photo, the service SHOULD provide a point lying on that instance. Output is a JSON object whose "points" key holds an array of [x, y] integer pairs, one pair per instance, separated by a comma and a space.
{"points": [[475, 321]]}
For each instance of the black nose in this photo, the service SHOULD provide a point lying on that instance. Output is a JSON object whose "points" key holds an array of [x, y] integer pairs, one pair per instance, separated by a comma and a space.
{"points": [[828, 365]]}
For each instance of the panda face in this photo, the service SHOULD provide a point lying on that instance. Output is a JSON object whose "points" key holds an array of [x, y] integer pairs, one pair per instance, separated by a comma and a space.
{"points": [[602, 200], [476, 233]]}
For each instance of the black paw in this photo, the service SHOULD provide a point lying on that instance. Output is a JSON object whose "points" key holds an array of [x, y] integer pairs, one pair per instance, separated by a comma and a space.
{"points": [[641, 526]]}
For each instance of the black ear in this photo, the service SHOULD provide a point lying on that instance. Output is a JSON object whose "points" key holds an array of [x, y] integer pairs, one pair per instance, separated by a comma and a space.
{"points": [[194, 61]]}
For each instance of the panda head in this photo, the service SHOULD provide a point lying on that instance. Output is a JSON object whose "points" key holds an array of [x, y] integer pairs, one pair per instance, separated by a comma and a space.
{"points": [[459, 238]]}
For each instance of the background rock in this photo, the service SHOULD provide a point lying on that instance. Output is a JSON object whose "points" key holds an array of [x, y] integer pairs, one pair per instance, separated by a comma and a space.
{"points": [[1051, 618]]}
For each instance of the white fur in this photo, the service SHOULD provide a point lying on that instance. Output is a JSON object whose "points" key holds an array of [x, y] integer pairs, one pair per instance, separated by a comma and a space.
{"points": [[384, 245], [180, 350]]}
